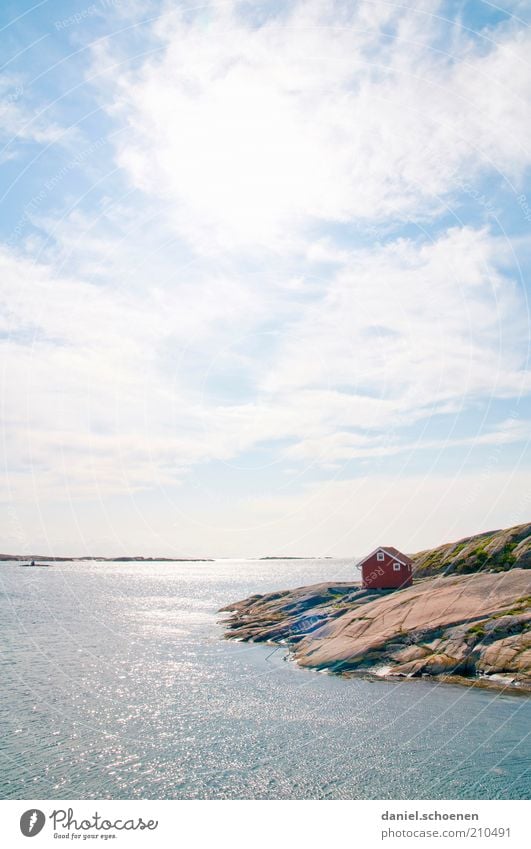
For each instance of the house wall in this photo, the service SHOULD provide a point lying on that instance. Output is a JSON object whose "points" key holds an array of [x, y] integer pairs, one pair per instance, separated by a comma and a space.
{"points": [[379, 574]]}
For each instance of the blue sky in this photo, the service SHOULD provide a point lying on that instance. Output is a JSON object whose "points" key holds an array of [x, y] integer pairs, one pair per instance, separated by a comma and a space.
{"points": [[265, 275]]}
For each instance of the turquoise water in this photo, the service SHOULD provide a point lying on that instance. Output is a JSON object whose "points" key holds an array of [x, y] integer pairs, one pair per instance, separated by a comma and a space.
{"points": [[115, 684]]}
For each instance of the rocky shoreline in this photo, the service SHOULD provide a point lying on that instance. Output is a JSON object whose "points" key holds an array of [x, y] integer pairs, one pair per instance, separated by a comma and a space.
{"points": [[472, 628]]}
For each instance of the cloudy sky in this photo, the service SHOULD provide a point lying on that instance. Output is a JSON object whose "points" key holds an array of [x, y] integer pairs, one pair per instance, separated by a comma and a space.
{"points": [[264, 275]]}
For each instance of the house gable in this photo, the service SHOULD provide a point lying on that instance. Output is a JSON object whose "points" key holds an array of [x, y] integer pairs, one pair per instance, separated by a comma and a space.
{"points": [[391, 552]]}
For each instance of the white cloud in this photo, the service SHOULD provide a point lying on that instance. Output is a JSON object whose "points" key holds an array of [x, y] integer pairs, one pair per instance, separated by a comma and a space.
{"points": [[404, 328], [402, 313], [18, 121], [250, 134], [211, 315], [126, 380], [92, 402], [337, 447]]}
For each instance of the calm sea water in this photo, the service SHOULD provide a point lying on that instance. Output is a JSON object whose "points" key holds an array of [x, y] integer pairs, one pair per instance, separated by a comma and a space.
{"points": [[115, 684]]}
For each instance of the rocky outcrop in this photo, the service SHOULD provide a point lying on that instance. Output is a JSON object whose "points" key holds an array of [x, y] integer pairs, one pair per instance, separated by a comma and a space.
{"points": [[472, 626], [496, 551]]}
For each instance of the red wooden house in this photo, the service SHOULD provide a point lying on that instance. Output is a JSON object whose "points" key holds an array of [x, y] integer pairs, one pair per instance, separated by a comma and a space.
{"points": [[386, 568]]}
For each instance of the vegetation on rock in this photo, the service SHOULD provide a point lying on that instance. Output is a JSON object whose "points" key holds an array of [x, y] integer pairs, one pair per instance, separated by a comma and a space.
{"points": [[495, 551]]}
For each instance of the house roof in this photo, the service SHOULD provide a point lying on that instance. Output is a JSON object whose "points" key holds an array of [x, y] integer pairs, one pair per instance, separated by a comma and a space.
{"points": [[392, 552]]}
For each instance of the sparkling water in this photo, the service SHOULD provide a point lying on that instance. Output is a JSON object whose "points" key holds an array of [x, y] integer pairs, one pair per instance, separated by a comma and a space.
{"points": [[116, 683]]}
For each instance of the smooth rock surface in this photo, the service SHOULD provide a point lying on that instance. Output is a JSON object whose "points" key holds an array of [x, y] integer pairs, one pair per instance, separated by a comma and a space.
{"points": [[466, 625]]}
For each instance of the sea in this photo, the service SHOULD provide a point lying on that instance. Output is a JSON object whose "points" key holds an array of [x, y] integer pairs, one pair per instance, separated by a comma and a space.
{"points": [[116, 683]]}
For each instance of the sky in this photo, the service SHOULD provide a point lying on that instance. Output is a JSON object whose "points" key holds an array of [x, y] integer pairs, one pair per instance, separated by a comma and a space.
{"points": [[264, 280]]}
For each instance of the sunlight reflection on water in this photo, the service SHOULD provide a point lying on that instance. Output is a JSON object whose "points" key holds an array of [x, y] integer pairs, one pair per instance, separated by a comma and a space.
{"points": [[116, 684]]}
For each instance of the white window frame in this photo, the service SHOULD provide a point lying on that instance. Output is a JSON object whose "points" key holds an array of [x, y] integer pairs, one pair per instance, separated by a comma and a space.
{"points": [[396, 567], [380, 556]]}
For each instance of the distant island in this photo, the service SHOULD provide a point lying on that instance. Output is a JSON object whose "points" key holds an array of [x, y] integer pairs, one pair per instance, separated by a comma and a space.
{"points": [[466, 618], [39, 558], [274, 557]]}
